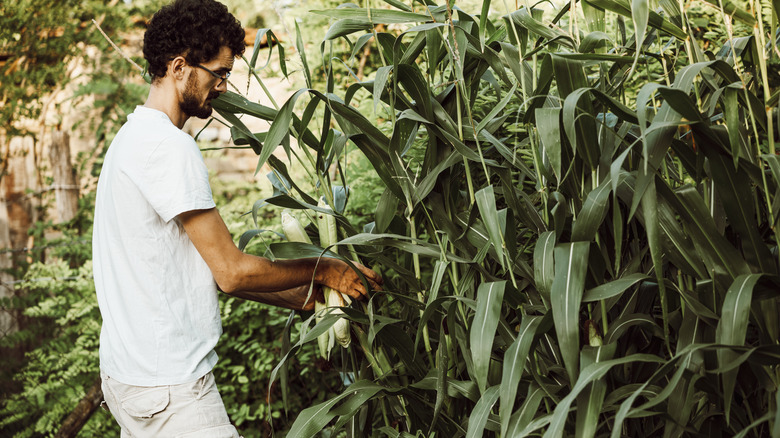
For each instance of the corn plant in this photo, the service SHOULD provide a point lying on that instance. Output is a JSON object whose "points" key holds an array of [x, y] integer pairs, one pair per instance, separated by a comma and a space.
{"points": [[578, 229]]}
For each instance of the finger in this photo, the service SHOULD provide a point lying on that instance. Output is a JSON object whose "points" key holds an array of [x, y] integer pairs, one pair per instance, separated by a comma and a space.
{"points": [[360, 291], [374, 276]]}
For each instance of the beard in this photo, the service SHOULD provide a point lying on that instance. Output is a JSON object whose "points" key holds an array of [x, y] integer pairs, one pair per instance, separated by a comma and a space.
{"points": [[191, 104]]}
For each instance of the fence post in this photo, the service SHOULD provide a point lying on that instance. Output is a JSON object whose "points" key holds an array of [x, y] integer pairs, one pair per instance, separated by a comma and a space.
{"points": [[66, 187]]}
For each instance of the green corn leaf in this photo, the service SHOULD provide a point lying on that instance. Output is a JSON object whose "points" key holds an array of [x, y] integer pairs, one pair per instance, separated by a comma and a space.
{"points": [[598, 57], [284, 370], [376, 16], [594, 17], [715, 250], [380, 82], [591, 399], [571, 261], [398, 4], [514, 362], [346, 27], [248, 235], [640, 15], [613, 288], [273, 41], [240, 133], [524, 19], [353, 122], [737, 198], [764, 418], [732, 329], [497, 108], [522, 71], [479, 416], [234, 103], [360, 393], [312, 420], [302, 53], [733, 122], [673, 387], [521, 418], [569, 75], [483, 329], [679, 245], [357, 47], [680, 404], [549, 127], [291, 250], [411, 52], [442, 367], [734, 11], [455, 388], [411, 79], [593, 213], [280, 128], [397, 339], [595, 40], [385, 210], [544, 266], [486, 201], [655, 20], [402, 242], [618, 327], [776, 428], [652, 228], [483, 20], [592, 372]]}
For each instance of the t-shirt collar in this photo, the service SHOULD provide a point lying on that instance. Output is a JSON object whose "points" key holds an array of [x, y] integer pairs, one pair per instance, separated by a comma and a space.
{"points": [[144, 112]]}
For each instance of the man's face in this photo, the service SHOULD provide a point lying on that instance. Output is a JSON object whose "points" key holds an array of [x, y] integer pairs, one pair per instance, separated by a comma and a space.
{"points": [[202, 86]]}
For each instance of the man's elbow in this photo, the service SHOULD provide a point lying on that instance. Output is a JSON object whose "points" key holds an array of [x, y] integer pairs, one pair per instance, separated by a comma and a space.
{"points": [[228, 283]]}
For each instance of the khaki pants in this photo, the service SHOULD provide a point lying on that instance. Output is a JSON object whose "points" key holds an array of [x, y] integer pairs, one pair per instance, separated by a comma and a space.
{"points": [[188, 410]]}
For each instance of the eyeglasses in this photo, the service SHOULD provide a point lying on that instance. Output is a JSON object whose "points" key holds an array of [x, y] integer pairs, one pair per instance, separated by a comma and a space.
{"points": [[222, 79]]}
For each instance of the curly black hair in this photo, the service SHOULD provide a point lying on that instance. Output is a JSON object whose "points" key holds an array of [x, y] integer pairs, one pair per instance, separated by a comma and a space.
{"points": [[195, 29]]}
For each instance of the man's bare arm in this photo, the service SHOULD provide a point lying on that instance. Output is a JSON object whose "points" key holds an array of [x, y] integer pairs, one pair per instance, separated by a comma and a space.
{"points": [[235, 271]]}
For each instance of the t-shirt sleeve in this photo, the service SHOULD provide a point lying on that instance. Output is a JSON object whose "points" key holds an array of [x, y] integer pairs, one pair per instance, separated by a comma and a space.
{"points": [[175, 178]]}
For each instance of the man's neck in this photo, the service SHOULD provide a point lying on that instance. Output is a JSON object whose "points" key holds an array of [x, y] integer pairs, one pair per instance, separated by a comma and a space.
{"points": [[162, 98]]}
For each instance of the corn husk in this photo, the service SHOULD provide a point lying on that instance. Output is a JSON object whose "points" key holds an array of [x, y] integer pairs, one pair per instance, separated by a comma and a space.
{"points": [[328, 236], [324, 339], [341, 327], [295, 232], [293, 229]]}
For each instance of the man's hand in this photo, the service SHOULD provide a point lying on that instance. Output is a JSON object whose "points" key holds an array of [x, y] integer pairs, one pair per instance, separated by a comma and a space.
{"points": [[338, 275]]}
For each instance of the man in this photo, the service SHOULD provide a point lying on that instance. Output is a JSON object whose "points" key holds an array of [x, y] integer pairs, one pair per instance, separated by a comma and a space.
{"points": [[161, 249]]}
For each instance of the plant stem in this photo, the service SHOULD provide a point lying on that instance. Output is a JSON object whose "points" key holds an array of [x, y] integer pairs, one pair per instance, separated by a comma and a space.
{"points": [[262, 84]]}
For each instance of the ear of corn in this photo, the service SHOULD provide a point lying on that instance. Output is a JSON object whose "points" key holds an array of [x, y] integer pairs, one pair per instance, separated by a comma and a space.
{"points": [[341, 327], [594, 338], [328, 236], [295, 232], [324, 339], [293, 229]]}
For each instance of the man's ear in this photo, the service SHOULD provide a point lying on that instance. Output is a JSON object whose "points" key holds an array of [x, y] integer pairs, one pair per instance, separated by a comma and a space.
{"points": [[176, 68]]}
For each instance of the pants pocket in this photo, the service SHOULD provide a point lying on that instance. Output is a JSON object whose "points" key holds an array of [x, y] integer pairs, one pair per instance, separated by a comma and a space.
{"points": [[146, 402]]}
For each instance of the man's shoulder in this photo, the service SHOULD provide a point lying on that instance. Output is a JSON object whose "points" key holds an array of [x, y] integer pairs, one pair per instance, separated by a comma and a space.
{"points": [[151, 134]]}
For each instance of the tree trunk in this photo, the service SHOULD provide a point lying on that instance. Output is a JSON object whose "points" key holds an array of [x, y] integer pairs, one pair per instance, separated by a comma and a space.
{"points": [[83, 411], [17, 213], [66, 187]]}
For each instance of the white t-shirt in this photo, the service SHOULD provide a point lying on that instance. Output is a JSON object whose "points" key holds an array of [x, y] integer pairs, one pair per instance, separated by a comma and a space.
{"points": [[157, 296]]}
